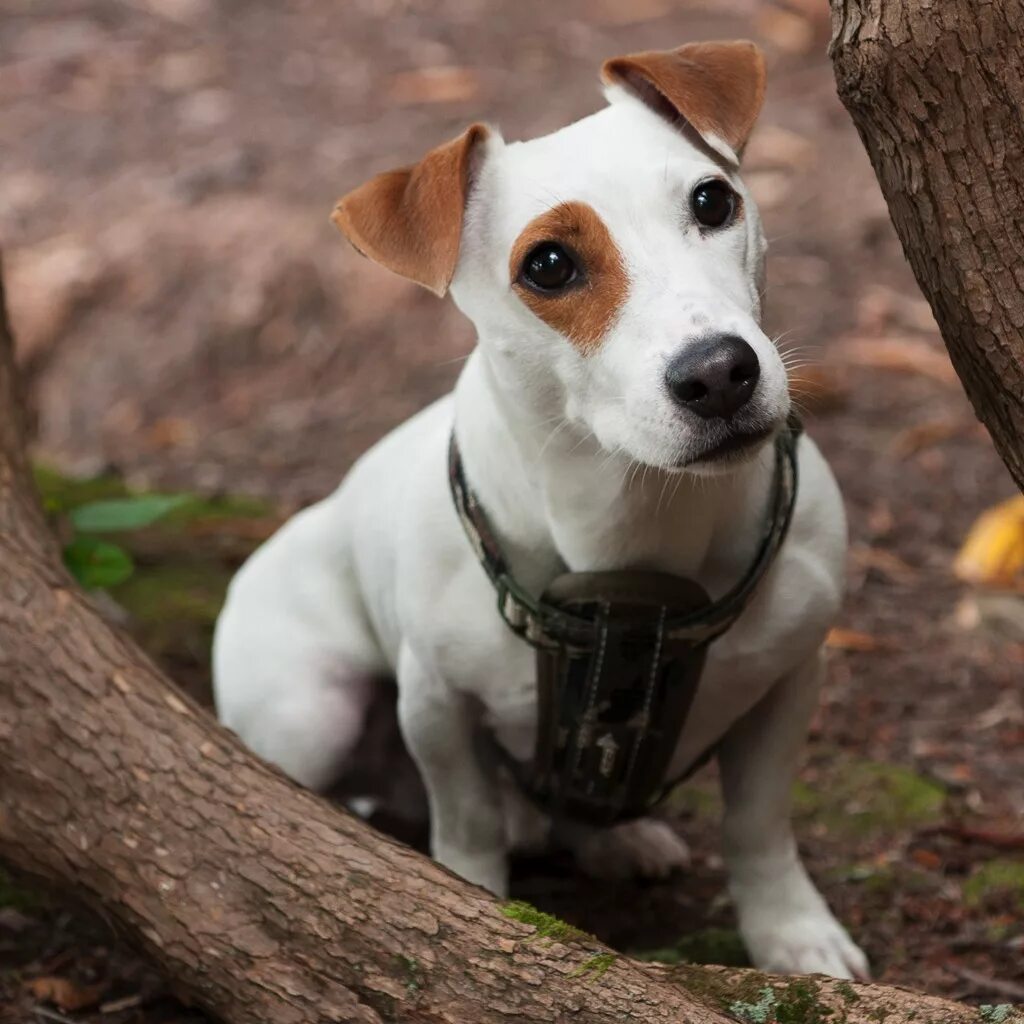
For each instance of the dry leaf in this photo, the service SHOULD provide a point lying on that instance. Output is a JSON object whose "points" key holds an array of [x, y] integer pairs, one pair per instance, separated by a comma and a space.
{"points": [[910, 441], [880, 306], [789, 31], [434, 85], [817, 388], [851, 640], [65, 994], [884, 562], [900, 353], [629, 12], [926, 859], [770, 189], [775, 148], [993, 553]]}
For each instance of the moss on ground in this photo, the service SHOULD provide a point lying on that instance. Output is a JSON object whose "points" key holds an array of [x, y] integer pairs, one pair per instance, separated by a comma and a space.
{"points": [[853, 798], [17, 896], [706, 946], [997, 878], [61, 494], [863, 798]]}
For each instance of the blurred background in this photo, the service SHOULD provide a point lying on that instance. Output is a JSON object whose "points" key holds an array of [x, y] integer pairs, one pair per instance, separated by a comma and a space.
{"points": [[190, 323]]}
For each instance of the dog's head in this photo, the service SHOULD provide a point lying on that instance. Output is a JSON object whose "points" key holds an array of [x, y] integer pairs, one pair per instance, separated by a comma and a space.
{"points": [[615, 267]]}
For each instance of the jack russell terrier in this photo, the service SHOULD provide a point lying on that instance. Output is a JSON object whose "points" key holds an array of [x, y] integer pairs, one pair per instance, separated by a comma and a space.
{"points": [[590, 566]]}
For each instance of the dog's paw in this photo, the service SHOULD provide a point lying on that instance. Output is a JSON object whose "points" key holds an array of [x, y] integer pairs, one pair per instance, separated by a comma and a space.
{"points": [[644, 848], [807, 943]]}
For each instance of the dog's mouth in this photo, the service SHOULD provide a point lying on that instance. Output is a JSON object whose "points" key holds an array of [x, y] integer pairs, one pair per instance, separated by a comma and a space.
{"points": [[733, 448]]}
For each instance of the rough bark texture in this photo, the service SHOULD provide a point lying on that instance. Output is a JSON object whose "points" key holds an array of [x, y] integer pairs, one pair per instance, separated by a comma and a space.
{"points": [[936, 91], [260, 901]]}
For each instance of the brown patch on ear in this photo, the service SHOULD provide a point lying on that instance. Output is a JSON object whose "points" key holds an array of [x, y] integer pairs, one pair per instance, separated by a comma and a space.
{"points": [[717, 87], [410, 220], [585, 309]]}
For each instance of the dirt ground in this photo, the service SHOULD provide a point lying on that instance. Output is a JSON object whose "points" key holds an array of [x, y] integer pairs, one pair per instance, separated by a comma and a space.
{"points": [[189, 320]]}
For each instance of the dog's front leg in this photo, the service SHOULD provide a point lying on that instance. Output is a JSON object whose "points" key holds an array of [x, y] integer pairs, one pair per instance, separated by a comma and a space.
{"points": [[467, 832], [783, 919]]}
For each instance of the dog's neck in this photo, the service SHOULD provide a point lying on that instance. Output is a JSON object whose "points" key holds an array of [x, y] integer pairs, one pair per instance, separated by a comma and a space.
{"points": [[557, 499]]}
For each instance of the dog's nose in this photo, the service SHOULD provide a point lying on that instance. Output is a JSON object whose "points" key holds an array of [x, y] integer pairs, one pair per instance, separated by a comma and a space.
{"points": [[714, 378]]}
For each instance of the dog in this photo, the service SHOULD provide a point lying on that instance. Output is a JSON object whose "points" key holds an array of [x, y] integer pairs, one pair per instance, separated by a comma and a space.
{"points": [[618, 412]]}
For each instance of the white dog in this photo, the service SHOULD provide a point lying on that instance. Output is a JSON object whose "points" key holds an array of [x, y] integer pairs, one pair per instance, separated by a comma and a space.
{"points": [[619, 413]]}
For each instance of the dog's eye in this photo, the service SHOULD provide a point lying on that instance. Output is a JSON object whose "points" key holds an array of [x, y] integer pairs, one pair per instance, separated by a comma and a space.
{"points": [[549, 267], [713, 202]]}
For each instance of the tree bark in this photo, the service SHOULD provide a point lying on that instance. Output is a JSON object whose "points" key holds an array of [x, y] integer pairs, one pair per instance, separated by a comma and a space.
{"points": [[936, 91], [258, 900]]}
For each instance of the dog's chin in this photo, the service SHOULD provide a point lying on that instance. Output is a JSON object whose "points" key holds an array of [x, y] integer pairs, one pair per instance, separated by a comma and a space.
{"points": [[735, 449], [723, 453]]}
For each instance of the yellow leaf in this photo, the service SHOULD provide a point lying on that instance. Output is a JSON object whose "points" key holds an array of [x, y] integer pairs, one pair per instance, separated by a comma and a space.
{"points": [[993, 553], [65, 994]]}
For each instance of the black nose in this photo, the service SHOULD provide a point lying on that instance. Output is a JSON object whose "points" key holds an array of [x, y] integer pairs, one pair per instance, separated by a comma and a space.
{"points": [[714, 377]]}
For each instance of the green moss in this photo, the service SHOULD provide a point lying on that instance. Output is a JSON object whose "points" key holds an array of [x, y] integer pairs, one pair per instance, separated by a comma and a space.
{"points": [[1002, 877], [847, 991], [863, 798], [718, 990], [596, 966], [706, 946], [795, 1002], [19, 897], [995, 1014], [698, 800], [762, 1011], [60, 493], [173, 606], [409, 972], [547, 926]]}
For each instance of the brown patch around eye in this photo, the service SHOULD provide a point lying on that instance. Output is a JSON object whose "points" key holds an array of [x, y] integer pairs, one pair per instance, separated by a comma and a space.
{"points": [[585, 309]]}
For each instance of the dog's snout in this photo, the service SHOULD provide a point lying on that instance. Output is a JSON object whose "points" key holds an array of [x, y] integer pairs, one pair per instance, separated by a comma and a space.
{"points": [[715, 377]]}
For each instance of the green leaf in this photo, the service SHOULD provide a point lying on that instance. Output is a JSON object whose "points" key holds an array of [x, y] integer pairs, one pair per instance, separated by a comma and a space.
{"points": [[120, 514], [95, 563]]}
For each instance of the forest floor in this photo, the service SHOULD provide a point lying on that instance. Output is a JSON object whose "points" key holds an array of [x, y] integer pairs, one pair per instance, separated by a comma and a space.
{"points": [[189, 321]]}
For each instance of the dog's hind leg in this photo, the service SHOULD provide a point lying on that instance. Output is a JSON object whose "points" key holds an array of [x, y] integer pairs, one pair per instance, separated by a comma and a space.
{"points": [[295, 664]]}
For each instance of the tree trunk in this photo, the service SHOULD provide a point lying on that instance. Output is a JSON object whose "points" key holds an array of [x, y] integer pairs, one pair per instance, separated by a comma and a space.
{"points": [[258, 900], [936, 92]]}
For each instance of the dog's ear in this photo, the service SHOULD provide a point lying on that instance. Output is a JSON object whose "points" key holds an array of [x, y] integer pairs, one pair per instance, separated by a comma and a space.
{"points": [[410, 220], [716, 88]]}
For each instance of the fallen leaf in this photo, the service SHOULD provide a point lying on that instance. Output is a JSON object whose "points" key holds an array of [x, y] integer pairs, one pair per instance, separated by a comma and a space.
{"points": [[629, 12], [992, 555], [789, 31], [775, 148], [818, 388], [434, 85], [926, 859], [910, 441], [885, 562], [851, 640], [900, 353], [880, 307], [64, 993]]}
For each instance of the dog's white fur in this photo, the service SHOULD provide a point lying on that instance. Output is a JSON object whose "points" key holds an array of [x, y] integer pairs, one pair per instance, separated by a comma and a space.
{"points": [[575, 458]]}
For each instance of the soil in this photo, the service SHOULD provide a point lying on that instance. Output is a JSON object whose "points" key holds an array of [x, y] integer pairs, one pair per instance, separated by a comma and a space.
{"points": [[189, 320]]}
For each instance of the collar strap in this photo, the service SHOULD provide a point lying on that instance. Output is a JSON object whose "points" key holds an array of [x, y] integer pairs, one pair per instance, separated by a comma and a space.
{"points": [[546, 626]]}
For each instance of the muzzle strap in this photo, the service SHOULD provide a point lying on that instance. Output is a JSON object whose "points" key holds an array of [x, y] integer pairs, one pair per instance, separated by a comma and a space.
{"points": [[619, 659]]}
